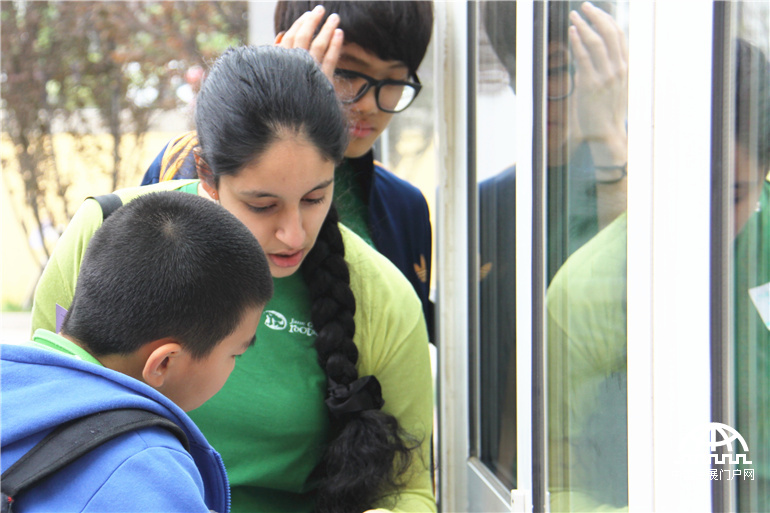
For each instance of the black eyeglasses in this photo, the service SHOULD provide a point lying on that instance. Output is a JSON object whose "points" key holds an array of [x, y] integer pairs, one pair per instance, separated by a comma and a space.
{"points": [[561, 82], [391, 95]]}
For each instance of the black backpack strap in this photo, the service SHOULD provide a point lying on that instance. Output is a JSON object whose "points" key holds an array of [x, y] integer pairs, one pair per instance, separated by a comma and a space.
{"points": [[109, 203], [73, 439]]}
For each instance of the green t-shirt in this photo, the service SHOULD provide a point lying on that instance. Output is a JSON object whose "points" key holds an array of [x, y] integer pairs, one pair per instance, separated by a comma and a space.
{"points": [[350, 201], [269, 421], [278, 386]]}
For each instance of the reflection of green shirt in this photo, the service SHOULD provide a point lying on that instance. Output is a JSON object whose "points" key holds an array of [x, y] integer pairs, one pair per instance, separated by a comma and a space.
{"points": [[752, 355], [571, 218], [587, 341], [586, 330]]}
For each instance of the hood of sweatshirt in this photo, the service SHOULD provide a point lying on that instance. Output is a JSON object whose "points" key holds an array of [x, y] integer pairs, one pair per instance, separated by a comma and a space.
{"points": [[42, 389]]}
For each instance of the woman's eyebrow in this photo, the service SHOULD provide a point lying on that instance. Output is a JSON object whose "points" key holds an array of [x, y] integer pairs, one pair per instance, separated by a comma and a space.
{"points": [[265, 194], [322, 185]]}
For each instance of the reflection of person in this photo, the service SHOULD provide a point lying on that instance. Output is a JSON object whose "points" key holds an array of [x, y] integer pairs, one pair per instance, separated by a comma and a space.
{"points": [[305, 427], [142, 332], [586, 112], [376, 76], [586, 323], [585, 178], [751, 223]]}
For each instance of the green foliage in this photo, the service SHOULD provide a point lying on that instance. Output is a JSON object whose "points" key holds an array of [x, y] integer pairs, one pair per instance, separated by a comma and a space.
{"points": [[9, 306]]}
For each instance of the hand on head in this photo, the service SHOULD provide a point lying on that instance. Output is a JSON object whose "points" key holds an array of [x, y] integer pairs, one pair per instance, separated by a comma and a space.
{"points": [[601, 79], [324, 47]]}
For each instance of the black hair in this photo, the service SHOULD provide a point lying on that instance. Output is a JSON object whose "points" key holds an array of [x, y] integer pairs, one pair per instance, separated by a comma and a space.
{"points": [[254, 96], [752, 98], [499, 22], [167, 264], [250, 97], [369, 452], [393, 30]]}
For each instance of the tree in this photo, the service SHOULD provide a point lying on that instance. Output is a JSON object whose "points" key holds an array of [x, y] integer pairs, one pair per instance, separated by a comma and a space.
{"points": [[79, 68]]}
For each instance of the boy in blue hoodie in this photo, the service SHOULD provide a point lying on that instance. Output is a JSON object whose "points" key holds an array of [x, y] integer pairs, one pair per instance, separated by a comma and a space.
{"points": [[170, 293]]}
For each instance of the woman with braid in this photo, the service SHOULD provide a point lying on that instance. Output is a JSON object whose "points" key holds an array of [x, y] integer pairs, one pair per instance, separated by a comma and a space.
{"points": [[331, 411]]}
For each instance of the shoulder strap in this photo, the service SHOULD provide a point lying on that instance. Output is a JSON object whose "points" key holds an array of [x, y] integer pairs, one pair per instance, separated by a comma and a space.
{"points": [[109, 203], [73, 439], [178, 160]]}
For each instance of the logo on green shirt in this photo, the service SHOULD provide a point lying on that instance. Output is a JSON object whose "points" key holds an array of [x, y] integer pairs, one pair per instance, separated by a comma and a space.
{"points": [[277, 321]]}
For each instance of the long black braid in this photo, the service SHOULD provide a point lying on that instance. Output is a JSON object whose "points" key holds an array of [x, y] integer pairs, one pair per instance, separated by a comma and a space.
{"points": [[368, 452], [253, 97]]}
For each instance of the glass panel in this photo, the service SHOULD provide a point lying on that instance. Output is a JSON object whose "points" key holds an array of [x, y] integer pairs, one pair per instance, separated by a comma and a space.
{"points": [[750, 227], [586, 139], [495, 158]]}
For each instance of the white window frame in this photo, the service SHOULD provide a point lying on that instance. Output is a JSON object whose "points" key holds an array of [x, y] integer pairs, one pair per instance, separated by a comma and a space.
{"points": [[669, 255], [668, 261], [465, 483]]}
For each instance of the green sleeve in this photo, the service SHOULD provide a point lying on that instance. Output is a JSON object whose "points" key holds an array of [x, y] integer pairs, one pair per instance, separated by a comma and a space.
{"points": [[57, 283], [392, 340]]}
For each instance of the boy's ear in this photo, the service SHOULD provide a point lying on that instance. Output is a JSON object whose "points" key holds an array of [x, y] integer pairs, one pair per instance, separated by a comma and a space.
{"points": [[161, 361]]}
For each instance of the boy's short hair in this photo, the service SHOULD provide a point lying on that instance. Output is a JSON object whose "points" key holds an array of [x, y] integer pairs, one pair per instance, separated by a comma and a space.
{"points": [[392, 30], [167, 264]]}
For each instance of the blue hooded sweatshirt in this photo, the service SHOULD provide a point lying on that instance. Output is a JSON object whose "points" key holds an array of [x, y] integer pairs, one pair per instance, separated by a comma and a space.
{"points": [[147, 470]]}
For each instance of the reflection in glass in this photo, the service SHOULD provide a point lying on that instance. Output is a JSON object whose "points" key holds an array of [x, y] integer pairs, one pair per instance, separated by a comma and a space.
{"points": [[495, 142], [561, 81], [751, 255], [586, 257]]}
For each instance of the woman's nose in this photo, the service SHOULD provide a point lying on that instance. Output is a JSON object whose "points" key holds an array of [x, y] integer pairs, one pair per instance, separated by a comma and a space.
{"points": [[290, 230]]}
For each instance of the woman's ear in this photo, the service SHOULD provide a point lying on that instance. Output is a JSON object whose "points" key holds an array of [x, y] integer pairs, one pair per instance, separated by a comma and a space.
{"points": [[205, 174], [161, 362]]}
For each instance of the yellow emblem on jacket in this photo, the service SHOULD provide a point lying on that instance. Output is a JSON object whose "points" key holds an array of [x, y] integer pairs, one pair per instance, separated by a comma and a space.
{"points": [[421, 269]]}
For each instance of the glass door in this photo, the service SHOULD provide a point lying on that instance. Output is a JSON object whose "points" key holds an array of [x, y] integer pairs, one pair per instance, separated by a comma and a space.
{"points": [[740, 463]]}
